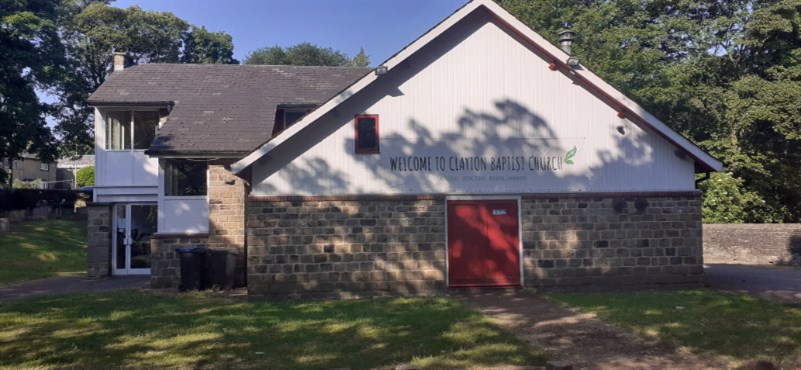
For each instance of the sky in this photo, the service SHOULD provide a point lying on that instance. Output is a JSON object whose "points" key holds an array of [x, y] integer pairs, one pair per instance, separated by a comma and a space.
{"points": [[381, 27]]}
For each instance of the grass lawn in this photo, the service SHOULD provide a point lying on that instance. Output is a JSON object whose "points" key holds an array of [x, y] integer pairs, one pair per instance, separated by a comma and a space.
{"points": [[731, 325], [40, 249], [145, 329]]}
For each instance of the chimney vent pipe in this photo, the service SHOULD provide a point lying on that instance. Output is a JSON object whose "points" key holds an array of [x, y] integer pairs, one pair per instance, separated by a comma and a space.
{"points": [[566, 38]]}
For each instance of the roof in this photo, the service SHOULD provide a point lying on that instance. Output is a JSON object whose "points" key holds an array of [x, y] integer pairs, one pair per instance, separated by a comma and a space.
{"points": [[585, 78], [76, 161], [217, 108]]}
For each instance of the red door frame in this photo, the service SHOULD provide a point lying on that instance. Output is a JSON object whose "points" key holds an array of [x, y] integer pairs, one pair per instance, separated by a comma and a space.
{"points": [[498, 234]]}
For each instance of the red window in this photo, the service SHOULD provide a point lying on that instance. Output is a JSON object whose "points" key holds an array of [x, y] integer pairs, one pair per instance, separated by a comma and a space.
{"points": [[367, 134]]}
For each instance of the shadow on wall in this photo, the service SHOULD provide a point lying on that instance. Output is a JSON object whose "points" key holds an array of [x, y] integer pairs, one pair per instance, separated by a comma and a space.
{"points": [[399, 245], [794, 248], [328, 245]]}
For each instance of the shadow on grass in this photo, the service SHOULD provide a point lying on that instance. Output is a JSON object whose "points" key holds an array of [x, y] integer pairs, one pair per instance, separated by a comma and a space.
{"points": [[40, 249], [738, 326], [151, 330]]}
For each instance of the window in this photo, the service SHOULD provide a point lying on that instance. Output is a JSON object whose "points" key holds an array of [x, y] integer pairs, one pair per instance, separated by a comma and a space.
{"points": [[124, 129], [184, 177], [287, 115], [367, 134], [44, 166]]}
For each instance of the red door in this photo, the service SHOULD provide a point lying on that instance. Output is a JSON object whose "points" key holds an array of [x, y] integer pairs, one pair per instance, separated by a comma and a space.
{"points": [[483, 243]]}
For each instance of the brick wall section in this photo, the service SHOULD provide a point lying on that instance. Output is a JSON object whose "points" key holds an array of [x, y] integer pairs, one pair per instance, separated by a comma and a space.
{"points": [[753, 243], [342, 248], [227, 214], [621, 240], [98, 251], [165, 266], [398, 246]]}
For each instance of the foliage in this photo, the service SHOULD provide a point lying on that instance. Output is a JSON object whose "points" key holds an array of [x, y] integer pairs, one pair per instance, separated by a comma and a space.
{"points": [[727, 201], [30, 184], [727, 74], [85, 176], [151, 330], [202, 46], [32, 57], [305, 54], [736, 326], [360, 60], [41, 249]]}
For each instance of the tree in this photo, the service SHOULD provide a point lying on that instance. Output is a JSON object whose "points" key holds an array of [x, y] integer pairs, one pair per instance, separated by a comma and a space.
{"points": [[304, 54], [32, 57], [360, 60], [202, 46]]}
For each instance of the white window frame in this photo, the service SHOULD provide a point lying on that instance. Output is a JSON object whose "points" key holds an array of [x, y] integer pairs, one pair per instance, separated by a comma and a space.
{"points": [[131, 129]]}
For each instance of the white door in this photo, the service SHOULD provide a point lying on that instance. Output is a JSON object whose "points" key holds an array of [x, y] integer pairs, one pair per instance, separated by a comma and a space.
{"points": [[134, 224]]}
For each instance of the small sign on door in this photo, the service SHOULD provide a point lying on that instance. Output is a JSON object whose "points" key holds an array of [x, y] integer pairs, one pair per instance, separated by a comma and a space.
{"points": [[498, 212]]}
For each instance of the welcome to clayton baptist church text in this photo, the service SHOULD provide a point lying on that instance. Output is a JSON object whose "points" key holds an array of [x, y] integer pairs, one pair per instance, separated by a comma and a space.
{"points": [[475, 164]]}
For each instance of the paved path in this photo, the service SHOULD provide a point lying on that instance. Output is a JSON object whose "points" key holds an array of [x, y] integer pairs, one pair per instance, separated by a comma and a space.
{"points": [[71, 284], [783, 283]]}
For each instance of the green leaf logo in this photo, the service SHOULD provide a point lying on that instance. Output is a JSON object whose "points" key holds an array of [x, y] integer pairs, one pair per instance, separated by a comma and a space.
{"points": [[570, 154]]}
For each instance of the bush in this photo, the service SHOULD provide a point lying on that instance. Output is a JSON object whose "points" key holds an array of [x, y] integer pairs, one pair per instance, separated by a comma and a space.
{"points": [[727, 200], [85, 176], [32, 184]]}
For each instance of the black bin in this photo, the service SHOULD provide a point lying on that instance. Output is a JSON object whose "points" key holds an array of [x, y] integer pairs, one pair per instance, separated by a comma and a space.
{"points": [[193, 262], [220, 268]]}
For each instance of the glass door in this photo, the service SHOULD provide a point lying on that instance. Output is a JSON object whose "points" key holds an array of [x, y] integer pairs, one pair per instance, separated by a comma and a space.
{"points": [[134, 224]]}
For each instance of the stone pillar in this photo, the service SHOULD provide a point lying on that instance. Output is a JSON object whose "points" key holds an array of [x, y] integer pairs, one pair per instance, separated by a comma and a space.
{"points": [[98, 240], [226, 194]]}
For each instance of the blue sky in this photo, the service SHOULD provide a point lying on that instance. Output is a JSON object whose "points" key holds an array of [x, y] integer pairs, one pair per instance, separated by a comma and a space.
{"points": [[381, 27]]}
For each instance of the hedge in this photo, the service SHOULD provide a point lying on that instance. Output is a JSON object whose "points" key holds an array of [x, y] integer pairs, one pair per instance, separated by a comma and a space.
{"points": [[14, 199]]}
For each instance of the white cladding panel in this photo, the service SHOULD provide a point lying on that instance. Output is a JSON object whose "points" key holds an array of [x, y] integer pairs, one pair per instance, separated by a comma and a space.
{"points": [[475, 111], [184, 215], [123, 168]]}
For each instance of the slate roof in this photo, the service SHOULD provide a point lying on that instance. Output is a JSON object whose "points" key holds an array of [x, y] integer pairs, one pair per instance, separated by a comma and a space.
{"points": [[223, 109]]}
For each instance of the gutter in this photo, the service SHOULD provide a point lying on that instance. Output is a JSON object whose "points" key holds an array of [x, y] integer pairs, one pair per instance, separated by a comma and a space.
{"points": [[706, 176]]}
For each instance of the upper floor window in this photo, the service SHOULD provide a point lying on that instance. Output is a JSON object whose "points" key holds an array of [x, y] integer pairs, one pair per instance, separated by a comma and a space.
{"points": [[131, 130], [287, 115], [367, 134], [185, 177]]}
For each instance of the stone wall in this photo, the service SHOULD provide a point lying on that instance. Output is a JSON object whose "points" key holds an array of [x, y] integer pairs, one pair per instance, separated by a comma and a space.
{"points": [[227, 215], [347, 246], [98, 240], [760, 244], [165, 266], [627, 239]]}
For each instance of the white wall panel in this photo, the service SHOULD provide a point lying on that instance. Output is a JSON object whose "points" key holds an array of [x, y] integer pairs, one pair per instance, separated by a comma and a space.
{"points": [[474, 92], [183, 215]]}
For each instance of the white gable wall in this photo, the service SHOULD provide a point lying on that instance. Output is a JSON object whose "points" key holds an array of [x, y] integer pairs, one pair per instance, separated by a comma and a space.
{"points": [[476, 95]]}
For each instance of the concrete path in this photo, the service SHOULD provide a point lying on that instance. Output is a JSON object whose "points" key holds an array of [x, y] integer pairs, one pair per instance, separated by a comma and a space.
{"points": [[782, 283], [71, 284]]}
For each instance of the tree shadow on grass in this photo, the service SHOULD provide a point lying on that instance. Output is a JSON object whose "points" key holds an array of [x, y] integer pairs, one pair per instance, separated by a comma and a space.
{"points": [[125, 329]]}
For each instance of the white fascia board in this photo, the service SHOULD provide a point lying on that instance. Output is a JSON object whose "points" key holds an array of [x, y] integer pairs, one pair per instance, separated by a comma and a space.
{"points": [[242, 164]]}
